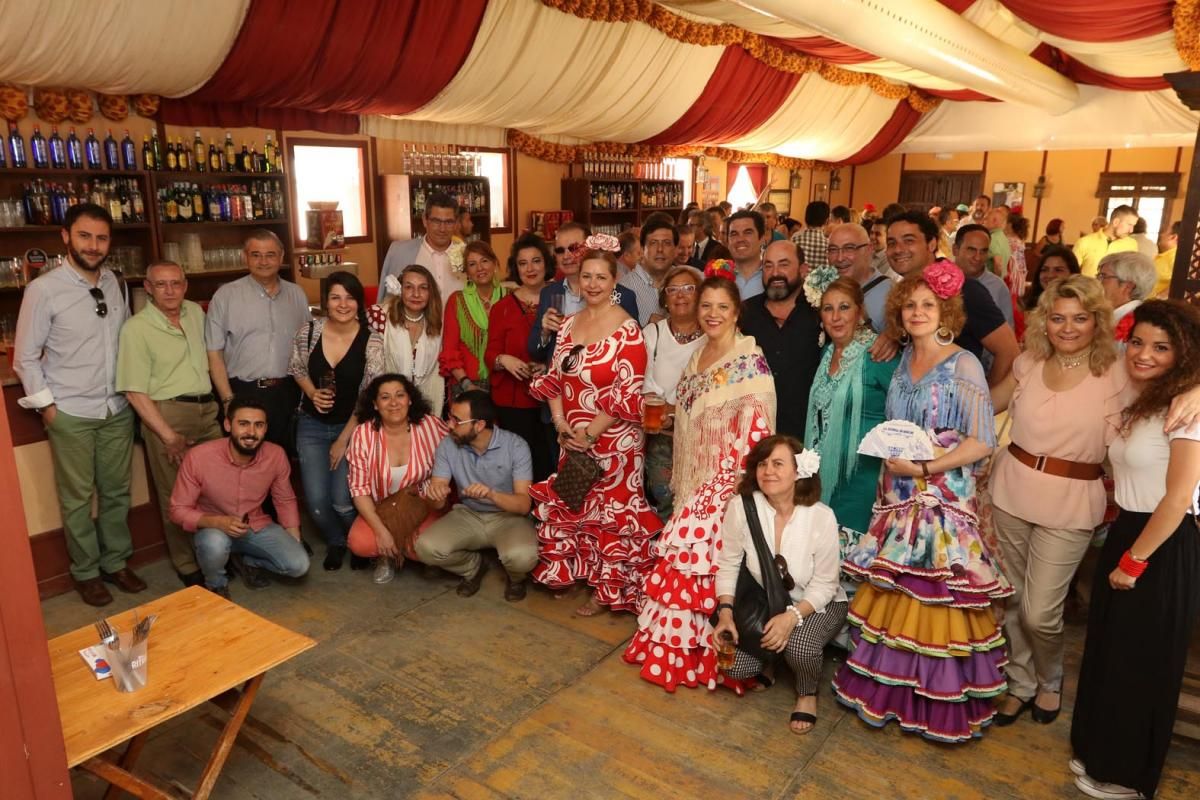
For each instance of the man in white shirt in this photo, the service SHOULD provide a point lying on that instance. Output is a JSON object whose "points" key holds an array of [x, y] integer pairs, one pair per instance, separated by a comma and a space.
{"points": [[1128, 280], [430, 250]]}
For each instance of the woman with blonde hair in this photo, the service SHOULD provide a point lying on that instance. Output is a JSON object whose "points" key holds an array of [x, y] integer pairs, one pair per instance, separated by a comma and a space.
{"points": [[410, 319]]}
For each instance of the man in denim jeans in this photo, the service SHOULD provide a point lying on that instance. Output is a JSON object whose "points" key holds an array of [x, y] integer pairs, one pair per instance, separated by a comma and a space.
{"points": [[219, 495]]}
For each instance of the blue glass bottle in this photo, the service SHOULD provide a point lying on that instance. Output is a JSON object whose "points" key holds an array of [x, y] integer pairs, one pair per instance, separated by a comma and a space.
{"points": [[74, 151], [91, 150], [58, 150], [37, 146], [112, 158], [128, 153], [16, 147]]}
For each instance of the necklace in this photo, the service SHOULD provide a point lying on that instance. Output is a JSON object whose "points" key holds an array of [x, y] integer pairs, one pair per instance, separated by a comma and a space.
{"points": [[684, 338], [419, 318], [1071, 362]]}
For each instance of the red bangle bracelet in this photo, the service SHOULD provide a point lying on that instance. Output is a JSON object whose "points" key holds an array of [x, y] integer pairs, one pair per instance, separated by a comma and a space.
{"points": [[1130, 567]]}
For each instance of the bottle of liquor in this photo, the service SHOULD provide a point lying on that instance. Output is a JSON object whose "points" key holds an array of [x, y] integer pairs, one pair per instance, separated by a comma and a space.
{"points": [[269, 155], [197, 204], [243, 160], [156, 148], [183, 201], [112, 156], [16, 147], [199, 156], [172, 158], [91, 150], [214, 203], [230, 153], [114, 202], [128, 152], [183, 155], [279, 159], [3, 156], [37, 146], [214, 157], [256, 164], [126, 202], [74, 151], [136, 202], [57, 149], [170, 205], [148, 154]]}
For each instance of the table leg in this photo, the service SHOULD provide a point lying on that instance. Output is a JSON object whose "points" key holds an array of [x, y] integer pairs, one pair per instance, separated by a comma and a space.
{"points": [[127, 761], [224, 744], [119, 777]]}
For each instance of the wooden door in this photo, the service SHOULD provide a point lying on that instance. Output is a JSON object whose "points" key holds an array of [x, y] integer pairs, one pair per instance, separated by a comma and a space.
{"points": [[923, 190]]}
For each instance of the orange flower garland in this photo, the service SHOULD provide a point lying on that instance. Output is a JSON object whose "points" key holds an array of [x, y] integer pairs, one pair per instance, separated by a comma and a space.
{"points": [[113, 106], [1186, 17], [14, 102], [50, 104], [80, 103]]}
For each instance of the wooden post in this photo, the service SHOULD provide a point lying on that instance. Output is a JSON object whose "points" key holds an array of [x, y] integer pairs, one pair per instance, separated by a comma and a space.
{"points": [[1185, 277]]}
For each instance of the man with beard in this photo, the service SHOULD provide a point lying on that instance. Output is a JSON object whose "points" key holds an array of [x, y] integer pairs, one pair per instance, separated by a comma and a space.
{"points": [[850, 253], [659, 239], [492, 469], [746, 233], [66, 356], [787, 332], [219, 497]]}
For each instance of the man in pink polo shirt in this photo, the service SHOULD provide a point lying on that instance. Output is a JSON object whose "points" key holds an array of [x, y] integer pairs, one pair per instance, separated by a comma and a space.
{"points": [[218, 496]]}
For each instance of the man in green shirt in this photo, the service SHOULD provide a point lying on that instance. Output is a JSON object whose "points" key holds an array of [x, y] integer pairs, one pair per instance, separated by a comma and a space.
{"points": [[999, 251], [162, 367]]}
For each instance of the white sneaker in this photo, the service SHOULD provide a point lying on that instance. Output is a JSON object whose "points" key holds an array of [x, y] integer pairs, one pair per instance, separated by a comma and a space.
{"points": [[1076, 766], [1106, 791], [384, 570]]}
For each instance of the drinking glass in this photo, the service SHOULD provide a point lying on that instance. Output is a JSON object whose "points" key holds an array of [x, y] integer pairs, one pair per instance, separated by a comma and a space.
{"points": [[652, 418]]}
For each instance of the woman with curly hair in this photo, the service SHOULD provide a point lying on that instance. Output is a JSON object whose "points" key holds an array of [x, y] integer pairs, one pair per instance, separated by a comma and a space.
{"points": [[928, 651], [1147, 595]]}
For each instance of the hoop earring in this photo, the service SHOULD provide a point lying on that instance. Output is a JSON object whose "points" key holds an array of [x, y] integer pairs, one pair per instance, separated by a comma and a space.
{"points": [[943, 336], [904, 338]]}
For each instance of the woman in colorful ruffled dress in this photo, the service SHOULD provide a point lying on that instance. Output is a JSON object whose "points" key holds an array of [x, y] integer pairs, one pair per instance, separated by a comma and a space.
{"points": [[593, 385], [725, 403], [928, 651]]}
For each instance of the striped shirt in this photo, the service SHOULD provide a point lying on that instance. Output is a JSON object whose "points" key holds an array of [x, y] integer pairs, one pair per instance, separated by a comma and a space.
{"points": [[370, 468]]}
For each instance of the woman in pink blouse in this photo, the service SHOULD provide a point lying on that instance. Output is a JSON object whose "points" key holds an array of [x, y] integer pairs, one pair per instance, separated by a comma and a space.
{"points": [[391, 456]]}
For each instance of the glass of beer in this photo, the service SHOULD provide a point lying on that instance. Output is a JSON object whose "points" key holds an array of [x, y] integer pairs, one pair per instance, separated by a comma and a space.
{"points": [[726, 650], [656, 408], [328, 384]]}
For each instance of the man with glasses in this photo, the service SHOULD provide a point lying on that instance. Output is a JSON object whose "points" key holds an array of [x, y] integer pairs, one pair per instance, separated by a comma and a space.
{"points": [[430, 250], [849, 251], [1128, 281], [659, 240], [162, 367], [492, 469], [66, 356], [251, 324]]}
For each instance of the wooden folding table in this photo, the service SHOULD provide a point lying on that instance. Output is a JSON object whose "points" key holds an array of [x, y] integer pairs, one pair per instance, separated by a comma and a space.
{"points": [[202, 648]]}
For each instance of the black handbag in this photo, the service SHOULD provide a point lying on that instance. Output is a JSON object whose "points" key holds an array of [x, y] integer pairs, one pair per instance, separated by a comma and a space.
{"points": [[753, 603]]}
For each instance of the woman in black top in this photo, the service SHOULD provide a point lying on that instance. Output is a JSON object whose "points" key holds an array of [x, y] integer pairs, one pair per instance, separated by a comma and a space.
{"points": [[333, 358]]}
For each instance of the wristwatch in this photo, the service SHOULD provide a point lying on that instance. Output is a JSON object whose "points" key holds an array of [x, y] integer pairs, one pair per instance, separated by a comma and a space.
{"points": [[590, 439], [724, 605]]}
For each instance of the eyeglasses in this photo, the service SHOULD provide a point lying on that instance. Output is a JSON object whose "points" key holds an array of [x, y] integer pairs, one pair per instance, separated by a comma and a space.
{"points": [[1107, 276], [455, 421], [443, 223], [101, 306], [789, 582], [574, 248], [686, 288], [571, 360], [848, 250]]}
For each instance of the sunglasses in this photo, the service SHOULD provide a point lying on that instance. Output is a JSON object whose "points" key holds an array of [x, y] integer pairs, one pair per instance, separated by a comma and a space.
{"points": [[571, 360], [789, 582], [101, 306], [574, 249]]}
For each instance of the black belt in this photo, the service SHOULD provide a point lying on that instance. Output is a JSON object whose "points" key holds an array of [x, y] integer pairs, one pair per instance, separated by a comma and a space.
{"points": [[263, 383], [194, 398]]}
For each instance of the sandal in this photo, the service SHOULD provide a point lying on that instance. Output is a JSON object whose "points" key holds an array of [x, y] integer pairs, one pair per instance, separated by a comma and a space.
{"points": [[803, 716], [761, 682], [589, 609]]}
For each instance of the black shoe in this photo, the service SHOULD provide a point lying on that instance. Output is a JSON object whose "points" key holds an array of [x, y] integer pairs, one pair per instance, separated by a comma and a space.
{"points": [[359, 562], [334, 556], [222, 592], [253, 577], [192, 578], [1044, 716], [1004, 720], [469, 586]]}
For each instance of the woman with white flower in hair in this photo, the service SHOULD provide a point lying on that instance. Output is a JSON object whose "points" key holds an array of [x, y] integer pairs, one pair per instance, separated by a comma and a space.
{"points": [[410, 319], [781, 488]]}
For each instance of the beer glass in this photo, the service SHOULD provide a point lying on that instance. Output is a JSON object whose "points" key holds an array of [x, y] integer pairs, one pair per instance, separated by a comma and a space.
{"points": [[652, 419]]}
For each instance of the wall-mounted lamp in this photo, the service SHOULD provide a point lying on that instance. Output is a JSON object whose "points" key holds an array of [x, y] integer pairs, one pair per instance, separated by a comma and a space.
{"points": [[1039, 188], [794, 179], [835, 180]]}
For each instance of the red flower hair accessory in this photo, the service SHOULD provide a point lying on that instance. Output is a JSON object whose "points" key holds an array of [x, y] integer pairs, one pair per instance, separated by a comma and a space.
{"points": [[1124, 328], [721, 268], [603, 241], [943, 278]]}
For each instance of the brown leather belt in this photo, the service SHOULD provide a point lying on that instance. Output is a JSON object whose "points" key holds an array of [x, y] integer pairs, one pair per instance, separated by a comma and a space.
{"points": [[1077, 470]]}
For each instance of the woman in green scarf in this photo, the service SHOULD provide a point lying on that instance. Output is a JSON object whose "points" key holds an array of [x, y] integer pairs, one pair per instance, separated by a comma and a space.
{"points": [[848, 397], [465, 332]]}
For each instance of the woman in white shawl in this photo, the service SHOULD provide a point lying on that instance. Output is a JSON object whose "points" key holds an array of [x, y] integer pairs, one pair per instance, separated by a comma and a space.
{"points": [[410, 320]]}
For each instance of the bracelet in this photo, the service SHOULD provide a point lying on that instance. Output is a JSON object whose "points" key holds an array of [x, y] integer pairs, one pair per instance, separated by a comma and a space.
{"points": [[724, 605], [799, 616], [1131, 566], [925, 469], [498, 366], [590, 439]]}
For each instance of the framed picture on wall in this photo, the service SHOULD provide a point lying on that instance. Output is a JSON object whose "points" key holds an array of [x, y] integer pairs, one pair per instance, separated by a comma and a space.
{"points": [[782, 198], [1010, 194]]}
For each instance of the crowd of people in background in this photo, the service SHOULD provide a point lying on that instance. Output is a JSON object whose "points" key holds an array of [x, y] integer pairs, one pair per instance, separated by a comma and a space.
{"points": [[671, 418]]}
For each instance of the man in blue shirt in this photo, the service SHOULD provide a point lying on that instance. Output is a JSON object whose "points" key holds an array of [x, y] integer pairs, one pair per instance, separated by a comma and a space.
{"points": [[492, 469]]}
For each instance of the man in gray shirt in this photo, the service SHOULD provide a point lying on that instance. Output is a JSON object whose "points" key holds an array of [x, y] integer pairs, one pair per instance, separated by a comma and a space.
{"points": [[66, 357], [252, 323], [849, 251], [492, 469]]}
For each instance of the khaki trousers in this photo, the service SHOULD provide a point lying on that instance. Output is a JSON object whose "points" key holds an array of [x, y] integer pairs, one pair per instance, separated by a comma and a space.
{"points": [[1039, 562], [196, 422], [454, 541]]}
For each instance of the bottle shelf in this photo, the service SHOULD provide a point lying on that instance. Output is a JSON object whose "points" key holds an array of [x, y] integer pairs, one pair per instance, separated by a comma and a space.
{"points": [[256, 223], [80, 173], [120, 226], [175, 175]]}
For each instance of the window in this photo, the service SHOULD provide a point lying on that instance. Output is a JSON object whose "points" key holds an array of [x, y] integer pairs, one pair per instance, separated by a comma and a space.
{"points": [[326, 170], [494, 167], [742, 192], [1150, 194]]}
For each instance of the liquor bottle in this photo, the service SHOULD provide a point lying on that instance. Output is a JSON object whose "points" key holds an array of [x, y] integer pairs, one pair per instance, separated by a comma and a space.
{"points": [[156, 148], [230, 153], [256, 164], [3, 156], [136, 202], [170, 205], [114, 203], [197, 204], [37, 147], [183, 201], [16, 147], [269, 155], [243, 160], [183, 155], [91, 150], [148, 154], [172, 158], [279, 159], [74, 151], [214, 157], [199, 156], [128, 152], [126, 202], [112, 157], [57, 150]]}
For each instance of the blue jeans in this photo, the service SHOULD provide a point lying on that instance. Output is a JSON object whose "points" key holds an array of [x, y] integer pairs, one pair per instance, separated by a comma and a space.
{"points": [[271, 548], [326, 491]]}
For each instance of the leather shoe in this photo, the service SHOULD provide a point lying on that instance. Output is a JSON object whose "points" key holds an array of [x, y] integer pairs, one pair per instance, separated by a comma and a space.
{"points": [[125, 579], [514, 591], [253, 577], [1044, 715], [469, 586], [93, 592], [334, 556], [192, 578], [222, 591], [1001, 720]]}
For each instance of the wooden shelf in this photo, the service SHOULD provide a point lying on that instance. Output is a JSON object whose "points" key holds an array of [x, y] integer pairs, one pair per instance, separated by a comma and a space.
{"points": [[120, 226], [598, 211], [81, 173], [244, 223], [172, 175]]}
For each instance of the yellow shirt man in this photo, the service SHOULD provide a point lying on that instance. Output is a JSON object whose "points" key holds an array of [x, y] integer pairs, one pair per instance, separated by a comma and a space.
{"points": [[1095, 246], [1164, 264]]}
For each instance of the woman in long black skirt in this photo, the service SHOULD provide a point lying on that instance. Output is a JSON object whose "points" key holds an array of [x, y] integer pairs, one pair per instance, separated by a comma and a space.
{"points": [[1147, 589]]}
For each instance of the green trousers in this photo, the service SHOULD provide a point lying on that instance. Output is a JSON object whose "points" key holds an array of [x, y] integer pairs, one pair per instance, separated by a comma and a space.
{"points": [[93, 456]]}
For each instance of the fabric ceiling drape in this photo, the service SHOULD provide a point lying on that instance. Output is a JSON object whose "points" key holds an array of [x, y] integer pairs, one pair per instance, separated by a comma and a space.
{"points": [[372, 56], [1095, 20], [1082, 73], [890, 136], [741, 94], [236, 115], [825, 48]]}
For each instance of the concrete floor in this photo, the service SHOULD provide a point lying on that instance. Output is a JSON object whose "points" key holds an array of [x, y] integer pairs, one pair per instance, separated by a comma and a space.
{"points": [[416, 692]]}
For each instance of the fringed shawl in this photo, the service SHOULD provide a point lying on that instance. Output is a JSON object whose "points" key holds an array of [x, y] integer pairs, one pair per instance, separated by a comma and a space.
{"points": [[835, 406], [715, 412], [954, 394]]}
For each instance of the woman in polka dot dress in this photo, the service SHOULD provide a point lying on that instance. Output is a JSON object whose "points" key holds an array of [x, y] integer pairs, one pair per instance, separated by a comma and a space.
{"points": [[726, 403]]}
